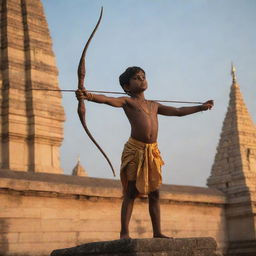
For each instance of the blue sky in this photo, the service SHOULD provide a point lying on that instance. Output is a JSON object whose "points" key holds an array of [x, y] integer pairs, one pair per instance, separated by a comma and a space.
{"points": [[186, 49]]}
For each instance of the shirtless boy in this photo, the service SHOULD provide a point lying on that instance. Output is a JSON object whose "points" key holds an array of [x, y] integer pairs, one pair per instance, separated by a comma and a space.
{"points": [[141, 160]]}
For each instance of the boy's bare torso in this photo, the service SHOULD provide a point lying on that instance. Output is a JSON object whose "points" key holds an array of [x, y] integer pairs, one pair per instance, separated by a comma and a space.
{"points": [[142, 115]]}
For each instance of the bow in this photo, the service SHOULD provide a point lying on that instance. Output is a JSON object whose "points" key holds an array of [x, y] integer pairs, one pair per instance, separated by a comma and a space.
{"points": [[81, 106]]}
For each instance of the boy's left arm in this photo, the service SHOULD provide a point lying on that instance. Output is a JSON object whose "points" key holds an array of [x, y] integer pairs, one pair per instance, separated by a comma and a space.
{"points": [[183, 111]]}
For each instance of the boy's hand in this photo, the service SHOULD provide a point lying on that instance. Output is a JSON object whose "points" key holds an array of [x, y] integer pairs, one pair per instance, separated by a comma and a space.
{"points": [[207, 105], [81, 94]]}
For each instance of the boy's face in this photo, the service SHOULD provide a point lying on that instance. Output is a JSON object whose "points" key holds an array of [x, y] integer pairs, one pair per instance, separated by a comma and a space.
{"points": [[137, 83]]}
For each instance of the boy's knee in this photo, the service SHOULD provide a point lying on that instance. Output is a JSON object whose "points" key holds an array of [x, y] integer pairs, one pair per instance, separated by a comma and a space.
{"points": [[154, 195], [132, 191], [132, 194]]}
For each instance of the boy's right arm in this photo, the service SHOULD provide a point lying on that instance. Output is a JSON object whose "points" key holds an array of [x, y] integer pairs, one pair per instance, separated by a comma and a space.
{"points": [[99, 98]]}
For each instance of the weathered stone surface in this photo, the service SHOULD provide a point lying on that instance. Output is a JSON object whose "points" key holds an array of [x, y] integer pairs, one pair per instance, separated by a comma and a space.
{"points": [[31, 121], [235, 160], [144, 247], [234, 168], [79, 170], [88, 186], [242, 248], [40, 212]]}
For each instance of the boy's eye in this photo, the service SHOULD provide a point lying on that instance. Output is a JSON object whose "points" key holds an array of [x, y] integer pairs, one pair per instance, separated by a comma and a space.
{"points": [[138, 77]]}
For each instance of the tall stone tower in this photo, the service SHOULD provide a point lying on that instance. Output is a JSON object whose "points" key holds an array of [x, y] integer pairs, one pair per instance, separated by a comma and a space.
{"points": [[31, 121], [234, 168]]}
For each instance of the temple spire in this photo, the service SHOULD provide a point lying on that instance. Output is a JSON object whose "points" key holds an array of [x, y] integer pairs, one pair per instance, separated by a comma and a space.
{"points": [[236, 151], [31, 122], [233, 73], [234, 169], [79, 170]]}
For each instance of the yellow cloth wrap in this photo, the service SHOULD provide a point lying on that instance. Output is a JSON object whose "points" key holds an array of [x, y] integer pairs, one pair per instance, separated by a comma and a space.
{"points": [[141, 162]]}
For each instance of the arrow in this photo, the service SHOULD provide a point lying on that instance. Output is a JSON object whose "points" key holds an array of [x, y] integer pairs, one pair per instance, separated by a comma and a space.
{"points": [[120, 93]]}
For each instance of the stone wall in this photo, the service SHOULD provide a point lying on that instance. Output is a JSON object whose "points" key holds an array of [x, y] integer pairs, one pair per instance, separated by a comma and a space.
{"points": [[41, 212]]}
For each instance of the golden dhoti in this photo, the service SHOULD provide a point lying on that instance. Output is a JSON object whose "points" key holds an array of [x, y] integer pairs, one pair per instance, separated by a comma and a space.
{"points": [[141, 162]]}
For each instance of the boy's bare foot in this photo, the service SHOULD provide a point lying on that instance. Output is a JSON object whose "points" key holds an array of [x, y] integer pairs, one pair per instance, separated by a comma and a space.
{"points": [[124, 236], [162, 236]]}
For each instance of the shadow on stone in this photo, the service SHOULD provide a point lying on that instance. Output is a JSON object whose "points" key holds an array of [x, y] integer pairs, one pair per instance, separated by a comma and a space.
{"points": [[205, 246]]}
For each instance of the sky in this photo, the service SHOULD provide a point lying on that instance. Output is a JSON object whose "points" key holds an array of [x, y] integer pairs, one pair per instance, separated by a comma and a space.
{"points": [[186, 49]]}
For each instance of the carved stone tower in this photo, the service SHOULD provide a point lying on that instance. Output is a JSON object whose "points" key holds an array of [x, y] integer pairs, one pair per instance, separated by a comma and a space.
{"points": [[234, 168], [31, 121]]}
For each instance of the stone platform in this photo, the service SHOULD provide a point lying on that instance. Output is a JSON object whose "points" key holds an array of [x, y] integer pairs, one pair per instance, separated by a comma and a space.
{"points": [[242, 248], [204, 246]]}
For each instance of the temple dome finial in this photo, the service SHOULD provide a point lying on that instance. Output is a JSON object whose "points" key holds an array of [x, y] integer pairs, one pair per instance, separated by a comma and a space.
{"points": [[79, 170], [233, 73]]}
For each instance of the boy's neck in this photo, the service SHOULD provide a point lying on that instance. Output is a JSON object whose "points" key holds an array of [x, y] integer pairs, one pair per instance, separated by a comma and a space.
{"points": [[139, 96]]}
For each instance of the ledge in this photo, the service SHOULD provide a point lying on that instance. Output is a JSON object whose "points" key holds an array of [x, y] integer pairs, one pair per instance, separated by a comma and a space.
{"points": [[204, 246], [59, 185]]}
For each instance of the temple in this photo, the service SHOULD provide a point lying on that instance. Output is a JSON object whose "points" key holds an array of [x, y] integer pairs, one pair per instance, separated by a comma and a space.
{"points": [[234, 168], [31, 120], [79, 170]]}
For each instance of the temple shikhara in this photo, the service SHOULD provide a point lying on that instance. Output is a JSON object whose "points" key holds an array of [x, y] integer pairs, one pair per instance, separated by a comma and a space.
{"points": [[31, 121], [41, 209]]}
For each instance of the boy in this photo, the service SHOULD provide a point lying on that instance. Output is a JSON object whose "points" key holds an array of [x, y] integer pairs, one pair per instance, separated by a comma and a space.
{"points": [[141, 161]]}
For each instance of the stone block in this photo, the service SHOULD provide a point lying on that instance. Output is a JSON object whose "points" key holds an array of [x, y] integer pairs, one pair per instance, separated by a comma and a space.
{"points": [[59, 225], [22, 224], [10, 237], [59, 237], [90, 224], [92, 236], [30, 237], [19, 213], [144, 247], [50, 213], [242, 248]]}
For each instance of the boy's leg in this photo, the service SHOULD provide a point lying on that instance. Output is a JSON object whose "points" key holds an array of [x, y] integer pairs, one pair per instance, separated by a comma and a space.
{"points": [[127, 207], [154, 211]]}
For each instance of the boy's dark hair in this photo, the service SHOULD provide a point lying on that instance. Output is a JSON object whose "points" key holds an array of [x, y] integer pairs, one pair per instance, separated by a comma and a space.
{"points": [[128, 74]]}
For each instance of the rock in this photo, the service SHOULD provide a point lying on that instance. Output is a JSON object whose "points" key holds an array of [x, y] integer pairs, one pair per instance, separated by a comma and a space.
{"points": [[204, 246]]}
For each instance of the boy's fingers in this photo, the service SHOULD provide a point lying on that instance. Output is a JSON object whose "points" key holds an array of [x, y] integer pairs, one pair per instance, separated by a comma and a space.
{"points": [[78, 91], [79, 94], [209, 104], [83, 92]]}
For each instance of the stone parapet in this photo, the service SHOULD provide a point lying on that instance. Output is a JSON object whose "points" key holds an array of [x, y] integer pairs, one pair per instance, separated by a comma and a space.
{"points": [[40, 212], [57, 184]]}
